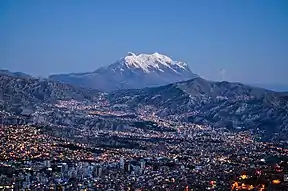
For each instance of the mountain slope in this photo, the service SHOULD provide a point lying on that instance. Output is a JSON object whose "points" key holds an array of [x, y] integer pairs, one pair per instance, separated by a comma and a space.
{"points": [[14, 74], [17, 93], [219, 104], [132, 71]]}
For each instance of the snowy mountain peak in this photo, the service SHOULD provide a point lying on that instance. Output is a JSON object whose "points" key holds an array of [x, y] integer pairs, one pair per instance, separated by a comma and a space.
{"points": [[152, 62], [132, 71], [131, 54]]}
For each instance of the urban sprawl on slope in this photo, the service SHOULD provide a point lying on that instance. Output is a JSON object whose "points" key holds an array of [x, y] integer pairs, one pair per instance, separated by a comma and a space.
{"points": [[138, 153]]}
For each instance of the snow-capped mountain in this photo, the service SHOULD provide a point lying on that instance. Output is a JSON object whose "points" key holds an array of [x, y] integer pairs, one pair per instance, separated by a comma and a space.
{"points": [[132, 72], [152, 63]]}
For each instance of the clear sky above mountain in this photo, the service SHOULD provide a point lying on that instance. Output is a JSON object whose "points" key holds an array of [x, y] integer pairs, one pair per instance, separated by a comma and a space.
{"points": [[240, 40]]}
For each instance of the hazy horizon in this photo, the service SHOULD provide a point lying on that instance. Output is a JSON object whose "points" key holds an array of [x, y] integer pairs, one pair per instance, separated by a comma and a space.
{"points": [[244, 41]]}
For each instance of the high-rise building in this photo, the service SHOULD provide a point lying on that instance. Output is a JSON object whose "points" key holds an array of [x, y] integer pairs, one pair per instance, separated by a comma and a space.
{"points": [[142, 166], [127, 167], [122, 163], [98, 171], [47, 163]]}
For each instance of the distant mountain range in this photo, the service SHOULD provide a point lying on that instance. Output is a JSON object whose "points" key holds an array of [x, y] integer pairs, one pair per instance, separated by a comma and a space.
{"points": [[132, 71], [135, 72]]}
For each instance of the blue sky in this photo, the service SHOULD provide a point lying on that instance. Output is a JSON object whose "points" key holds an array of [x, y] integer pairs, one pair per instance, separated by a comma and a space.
{"points": [[247, 39]]}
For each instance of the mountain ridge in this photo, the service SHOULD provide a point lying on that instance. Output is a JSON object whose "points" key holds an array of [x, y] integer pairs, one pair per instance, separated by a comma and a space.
{"points": [[17, 92], [15, 74], [218, 104]]}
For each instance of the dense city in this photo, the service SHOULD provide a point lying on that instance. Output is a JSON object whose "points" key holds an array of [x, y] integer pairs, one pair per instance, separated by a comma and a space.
{"points": [[148, 153]]}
